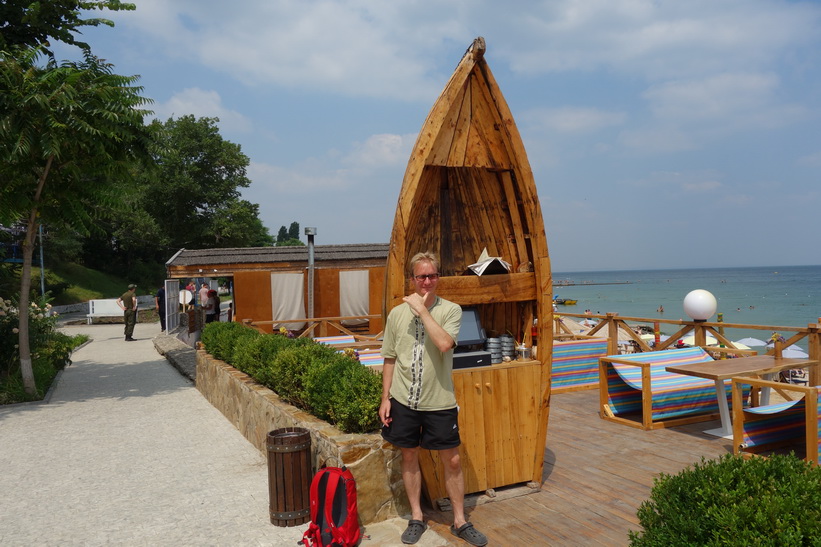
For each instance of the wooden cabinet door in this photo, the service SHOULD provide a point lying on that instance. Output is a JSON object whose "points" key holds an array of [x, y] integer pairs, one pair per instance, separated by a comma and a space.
{"points": [[510, 403], [498, 425]]}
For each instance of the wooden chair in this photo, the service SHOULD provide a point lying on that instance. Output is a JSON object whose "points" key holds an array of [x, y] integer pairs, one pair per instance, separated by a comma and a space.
{"points": [[762, 429], [576, 364], [637, 385]]}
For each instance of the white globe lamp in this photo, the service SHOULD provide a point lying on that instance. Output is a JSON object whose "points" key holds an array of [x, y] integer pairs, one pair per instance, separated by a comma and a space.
{"points": [[700, 305]]}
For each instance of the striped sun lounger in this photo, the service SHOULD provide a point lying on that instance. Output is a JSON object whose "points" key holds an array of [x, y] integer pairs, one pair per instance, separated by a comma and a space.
{"points": [[766, 428], [371, 358], [639, 385], [335, 340], [576, 364]]}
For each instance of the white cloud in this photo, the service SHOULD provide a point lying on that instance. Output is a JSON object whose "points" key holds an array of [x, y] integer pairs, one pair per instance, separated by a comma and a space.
{"points": [[382, 150], [813, 160], [202, 103], [656, 140]]}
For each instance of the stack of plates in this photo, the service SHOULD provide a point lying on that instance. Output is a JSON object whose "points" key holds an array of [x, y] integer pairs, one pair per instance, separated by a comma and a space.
{"points": [[494, 346], [508, 346]]}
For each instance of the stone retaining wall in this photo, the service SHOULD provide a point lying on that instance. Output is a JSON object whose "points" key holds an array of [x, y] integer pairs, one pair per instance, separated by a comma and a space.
{"points": [[256, 410]]}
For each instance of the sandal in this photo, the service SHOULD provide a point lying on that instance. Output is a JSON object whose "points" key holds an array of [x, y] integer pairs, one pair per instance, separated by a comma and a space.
{"points": [[413, 532], [470, 534]]}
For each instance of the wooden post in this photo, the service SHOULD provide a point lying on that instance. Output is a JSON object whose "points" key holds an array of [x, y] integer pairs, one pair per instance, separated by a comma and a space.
{"points": [[815, 352], [657, 334]]}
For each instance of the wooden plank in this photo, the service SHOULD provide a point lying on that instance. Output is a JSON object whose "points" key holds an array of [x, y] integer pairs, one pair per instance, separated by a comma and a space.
{"points": [[519, 230], [597, 473], [469, 290], [460, 137]]}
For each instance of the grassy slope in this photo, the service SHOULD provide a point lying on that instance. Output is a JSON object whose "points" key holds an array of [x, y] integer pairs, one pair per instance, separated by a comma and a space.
{"points": [[86, 284]]}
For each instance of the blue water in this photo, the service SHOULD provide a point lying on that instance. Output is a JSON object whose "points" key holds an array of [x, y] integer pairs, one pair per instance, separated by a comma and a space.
{"points": [[774, 295]]}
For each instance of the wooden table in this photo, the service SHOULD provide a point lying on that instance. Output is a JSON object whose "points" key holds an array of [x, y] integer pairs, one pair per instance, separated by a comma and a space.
{"points": [[724, 369]]}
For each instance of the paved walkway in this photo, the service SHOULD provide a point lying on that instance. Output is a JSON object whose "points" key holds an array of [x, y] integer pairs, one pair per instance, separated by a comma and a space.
{"points": [[125, 451]]}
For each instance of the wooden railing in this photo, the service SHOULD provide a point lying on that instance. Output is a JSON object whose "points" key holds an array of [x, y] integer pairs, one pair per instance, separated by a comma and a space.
{"points": [[700, 329], [321, 323]]}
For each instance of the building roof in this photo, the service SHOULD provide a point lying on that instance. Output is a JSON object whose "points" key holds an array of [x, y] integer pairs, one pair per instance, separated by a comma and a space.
{"points": [[238, 258]]}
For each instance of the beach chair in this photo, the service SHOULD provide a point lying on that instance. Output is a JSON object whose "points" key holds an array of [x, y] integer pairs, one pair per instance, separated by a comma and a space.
{"points": [[576, 364], [779, 426], [335, 340], [371, 358], [636, 390]]}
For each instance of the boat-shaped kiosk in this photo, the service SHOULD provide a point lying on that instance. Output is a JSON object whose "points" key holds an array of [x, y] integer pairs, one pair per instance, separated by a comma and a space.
{"points": [[468, 186]]}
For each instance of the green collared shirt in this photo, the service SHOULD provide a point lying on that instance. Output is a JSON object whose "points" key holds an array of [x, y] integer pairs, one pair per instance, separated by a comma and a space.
{"points": [[422, 376]]}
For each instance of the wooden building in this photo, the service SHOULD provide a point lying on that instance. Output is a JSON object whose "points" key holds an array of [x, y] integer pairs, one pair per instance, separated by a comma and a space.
{"points": [[272, 283]]}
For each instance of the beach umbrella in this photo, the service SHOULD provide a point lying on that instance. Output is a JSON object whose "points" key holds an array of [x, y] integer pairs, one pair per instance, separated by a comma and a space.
{"points": [[752, 342], [691, 340], [574, 326], [738, 345], [794, 353]]}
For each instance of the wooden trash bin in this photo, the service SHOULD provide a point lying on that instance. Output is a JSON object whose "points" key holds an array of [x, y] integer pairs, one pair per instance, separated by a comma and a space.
{"points": [[289, 475]]}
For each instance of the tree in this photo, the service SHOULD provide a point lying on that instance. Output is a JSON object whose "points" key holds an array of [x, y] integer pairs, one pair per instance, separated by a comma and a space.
{"points": [[293, 230], [194, 192], [66, 131], [289, 237], [26, 23]]}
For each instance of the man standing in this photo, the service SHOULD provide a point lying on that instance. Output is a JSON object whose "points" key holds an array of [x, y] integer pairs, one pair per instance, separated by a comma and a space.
{"points": [[418, 403], [128, 303], [159, 301]]}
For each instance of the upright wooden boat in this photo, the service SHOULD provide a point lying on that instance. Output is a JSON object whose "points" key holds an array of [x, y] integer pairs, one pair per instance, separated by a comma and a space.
{"points": [[468, 186]]}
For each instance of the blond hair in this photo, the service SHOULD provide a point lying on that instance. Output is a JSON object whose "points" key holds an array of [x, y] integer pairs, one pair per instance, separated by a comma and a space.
{"points": [[420, 257]]}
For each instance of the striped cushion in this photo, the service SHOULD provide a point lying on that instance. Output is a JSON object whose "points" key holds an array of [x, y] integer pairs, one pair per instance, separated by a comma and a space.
{"points": [[576, 362], [335, 340], [371, 357]]}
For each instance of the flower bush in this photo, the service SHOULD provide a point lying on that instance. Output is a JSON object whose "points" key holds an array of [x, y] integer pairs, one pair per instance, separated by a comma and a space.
{"points": [[50, 349], [41, 328]]}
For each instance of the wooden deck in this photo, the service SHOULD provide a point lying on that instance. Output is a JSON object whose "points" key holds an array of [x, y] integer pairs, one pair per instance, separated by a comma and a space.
{"points": [[596, 475]]}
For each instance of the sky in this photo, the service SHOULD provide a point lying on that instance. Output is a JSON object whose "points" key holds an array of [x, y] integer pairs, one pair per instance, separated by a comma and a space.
{"points": [[661, 133]]}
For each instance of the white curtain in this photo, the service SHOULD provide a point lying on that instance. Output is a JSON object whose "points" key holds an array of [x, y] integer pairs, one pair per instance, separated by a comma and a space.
{"points": [[287, 299], [353, 295]]}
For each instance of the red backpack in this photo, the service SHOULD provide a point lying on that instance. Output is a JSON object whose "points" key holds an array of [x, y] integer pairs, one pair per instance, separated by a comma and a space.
{"points": [[334, 516]]}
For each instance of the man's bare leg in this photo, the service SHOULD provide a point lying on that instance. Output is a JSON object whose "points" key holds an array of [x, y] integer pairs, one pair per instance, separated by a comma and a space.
{"points": [[454, 483], [412, 477]]}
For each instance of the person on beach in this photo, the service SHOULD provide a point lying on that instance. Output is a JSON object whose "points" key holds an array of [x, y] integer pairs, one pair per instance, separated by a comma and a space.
{"points": [[418, 406], [128, 303]]}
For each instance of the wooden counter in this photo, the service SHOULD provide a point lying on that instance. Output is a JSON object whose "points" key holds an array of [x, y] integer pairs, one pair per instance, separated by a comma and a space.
{"points": [[498, 424]]}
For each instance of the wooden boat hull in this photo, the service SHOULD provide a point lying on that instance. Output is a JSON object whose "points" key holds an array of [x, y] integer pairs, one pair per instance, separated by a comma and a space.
{"points": [[469, 186]]}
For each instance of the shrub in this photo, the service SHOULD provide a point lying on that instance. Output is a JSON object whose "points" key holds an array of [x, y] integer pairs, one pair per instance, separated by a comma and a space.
{"points": [[219, 338], [332, 386], [734, 501], [50, 350], [322, 383], [291, 364], [355, 402]]}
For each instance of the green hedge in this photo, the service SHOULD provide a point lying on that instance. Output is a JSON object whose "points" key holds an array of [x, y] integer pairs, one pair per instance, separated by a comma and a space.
{"points": [[330, 385], [735, 501]]}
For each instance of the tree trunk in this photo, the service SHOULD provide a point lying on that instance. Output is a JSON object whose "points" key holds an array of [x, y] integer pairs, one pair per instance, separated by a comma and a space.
{"points": [[26, 369]]}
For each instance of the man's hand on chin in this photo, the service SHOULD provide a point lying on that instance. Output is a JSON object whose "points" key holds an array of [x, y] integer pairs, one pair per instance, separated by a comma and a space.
{"points": [[419, 303]]}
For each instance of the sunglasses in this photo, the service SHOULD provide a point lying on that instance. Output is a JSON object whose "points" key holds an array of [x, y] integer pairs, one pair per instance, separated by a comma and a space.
{"points": [[432, 277]]}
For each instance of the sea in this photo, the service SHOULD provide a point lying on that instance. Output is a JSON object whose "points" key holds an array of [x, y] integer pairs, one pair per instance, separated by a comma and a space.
{"points": [[771, 295]]}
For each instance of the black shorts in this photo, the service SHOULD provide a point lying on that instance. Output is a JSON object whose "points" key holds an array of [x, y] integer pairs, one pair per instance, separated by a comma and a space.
{"points": [[430, 429]]}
